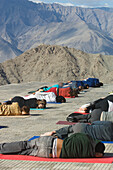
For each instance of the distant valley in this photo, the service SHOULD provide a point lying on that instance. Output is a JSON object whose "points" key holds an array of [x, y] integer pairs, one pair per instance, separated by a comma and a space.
{"points": [[25, 25]]}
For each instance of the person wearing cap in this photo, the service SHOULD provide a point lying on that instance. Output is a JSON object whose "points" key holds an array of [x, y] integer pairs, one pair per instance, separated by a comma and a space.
{"points": [[78, 145]]}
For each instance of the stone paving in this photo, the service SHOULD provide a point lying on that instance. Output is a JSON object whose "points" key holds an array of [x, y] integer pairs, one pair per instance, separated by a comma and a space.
{"points": [[40, 121]]}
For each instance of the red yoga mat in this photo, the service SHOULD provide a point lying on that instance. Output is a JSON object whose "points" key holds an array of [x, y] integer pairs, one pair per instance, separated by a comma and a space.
{"points": [[81, 113], [65, 123], [81, 160], [70, 97]]}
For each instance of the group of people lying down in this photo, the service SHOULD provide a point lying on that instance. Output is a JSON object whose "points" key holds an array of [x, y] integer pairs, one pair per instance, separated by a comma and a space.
{"points": [[20, 105], [81, 140], [56, 90]]}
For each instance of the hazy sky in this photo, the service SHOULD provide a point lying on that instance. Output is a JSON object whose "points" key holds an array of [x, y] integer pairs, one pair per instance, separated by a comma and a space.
{"points": [[83, 3]]}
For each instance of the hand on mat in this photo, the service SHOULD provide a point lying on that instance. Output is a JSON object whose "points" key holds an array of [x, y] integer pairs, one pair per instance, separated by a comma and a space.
{"points": [[48, 133], [82, 110]]}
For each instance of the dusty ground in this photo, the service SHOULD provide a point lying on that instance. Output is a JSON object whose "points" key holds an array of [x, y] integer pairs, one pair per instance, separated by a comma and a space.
{"points": [[22, 128], [40, 121]]}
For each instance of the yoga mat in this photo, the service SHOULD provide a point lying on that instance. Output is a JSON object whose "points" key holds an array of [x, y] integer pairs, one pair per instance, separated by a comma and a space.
{"points": [[53, 103], [20, 116], [30, 92], [81, 113], [70, 97], [34, 137], [3, 127], [82, 91], [36, 109], [81, 160], [65, 123], [107, 142]]}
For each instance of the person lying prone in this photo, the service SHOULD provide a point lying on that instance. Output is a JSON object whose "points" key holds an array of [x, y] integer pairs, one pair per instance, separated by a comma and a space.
{"points": [[101, 130], [52, 147], [13, 110], [31, 103]]}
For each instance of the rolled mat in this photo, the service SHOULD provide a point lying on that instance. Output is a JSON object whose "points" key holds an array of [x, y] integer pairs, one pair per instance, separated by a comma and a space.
{"points": [[81, 160]]}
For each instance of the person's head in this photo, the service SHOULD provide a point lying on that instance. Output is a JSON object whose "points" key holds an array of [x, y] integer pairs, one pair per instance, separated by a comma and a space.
{"points": [[86, 86], [60, 99], [25, 110], [41, 103], [73, 92], [61, 84], [80, 88], [99, 150]]}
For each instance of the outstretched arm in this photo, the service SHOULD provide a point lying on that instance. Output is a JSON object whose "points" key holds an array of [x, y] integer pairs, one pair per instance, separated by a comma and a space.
{"points": [[48, 133], [60, 133]]}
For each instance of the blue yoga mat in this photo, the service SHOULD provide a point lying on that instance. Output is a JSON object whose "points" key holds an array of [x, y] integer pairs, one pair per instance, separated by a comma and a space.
{"points": [[108, 142], [36, 109], [53, 103], [34, 137]]}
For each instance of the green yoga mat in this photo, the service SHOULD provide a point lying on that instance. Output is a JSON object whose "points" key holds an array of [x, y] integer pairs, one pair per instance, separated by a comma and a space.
{"points": [[30, 92]]}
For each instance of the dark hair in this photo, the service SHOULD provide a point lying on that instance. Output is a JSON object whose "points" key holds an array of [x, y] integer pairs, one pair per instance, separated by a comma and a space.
{"points": [[60, 99], [25, 109], [100, 147], [43, 101]]}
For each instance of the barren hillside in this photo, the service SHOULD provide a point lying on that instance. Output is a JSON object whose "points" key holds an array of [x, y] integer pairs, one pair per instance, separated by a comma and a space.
{"points": [[51, 63]]}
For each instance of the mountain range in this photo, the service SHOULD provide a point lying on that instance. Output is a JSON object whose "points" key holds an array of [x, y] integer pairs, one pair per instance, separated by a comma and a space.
{"points": [[25, 25]]}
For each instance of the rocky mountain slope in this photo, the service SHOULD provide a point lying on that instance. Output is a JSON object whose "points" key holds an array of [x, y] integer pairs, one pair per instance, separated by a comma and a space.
{"points": [[50, 63], [24, 25]]}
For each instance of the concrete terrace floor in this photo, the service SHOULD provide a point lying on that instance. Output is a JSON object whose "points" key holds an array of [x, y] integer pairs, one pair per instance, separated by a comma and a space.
{"points": [[41, 121]]}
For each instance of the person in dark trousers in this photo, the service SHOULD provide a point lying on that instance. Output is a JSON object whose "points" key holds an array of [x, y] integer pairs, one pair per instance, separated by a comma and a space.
{"points": [[101, 130]]}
